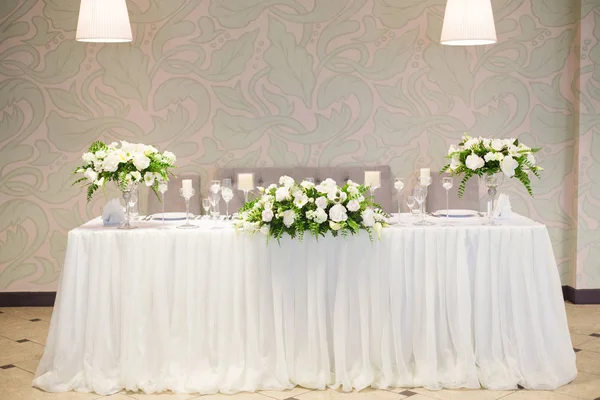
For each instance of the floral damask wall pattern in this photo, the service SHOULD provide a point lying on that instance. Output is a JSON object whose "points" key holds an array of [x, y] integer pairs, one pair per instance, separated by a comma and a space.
{"points": [[289, 82]]}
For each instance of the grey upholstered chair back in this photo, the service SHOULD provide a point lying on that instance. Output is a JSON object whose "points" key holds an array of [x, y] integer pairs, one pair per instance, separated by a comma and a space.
{"points": [[265, 176], [173, 200], [436, 195]]}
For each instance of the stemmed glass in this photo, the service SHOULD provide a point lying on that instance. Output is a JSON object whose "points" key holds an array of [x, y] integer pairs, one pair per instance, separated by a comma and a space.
{"points": [[227, 194], [133, 203], [424, 182], [206, 206], [399, 185], [215, 198], [420, 194], [447, 184], [187, 195], [492, 181], [162, 189], [410, 202]]}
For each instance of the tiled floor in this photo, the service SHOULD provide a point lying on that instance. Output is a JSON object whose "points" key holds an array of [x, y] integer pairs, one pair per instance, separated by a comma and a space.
{"points": [[23, 335]]}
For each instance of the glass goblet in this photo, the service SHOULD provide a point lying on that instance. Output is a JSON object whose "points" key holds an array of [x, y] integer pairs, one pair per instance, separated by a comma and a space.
{"points": [[420, 195], [227, 194], [187, 195], [206, 206], [162, 189], [447, 184], [399, 185]]}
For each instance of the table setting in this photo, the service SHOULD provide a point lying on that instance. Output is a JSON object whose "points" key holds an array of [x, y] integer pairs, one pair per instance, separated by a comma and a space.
{"points": [[309, 283]]}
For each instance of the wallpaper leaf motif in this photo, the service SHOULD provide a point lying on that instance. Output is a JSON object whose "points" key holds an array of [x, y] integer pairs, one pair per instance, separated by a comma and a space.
{"points": [[125, 71], [68, 101], [450, 69], [230, 60], [43, 35]]}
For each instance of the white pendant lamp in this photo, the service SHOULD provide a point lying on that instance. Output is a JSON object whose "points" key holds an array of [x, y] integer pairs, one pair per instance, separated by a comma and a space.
{"points": [[468, 23], [103, 21]]}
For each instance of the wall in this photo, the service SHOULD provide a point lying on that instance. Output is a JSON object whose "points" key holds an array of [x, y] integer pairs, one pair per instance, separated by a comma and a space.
{"points": [[324, 82]]}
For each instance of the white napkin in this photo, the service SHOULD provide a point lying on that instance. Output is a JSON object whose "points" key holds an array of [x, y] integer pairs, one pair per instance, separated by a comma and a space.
{"points": [[503, 209], [113, 213]]}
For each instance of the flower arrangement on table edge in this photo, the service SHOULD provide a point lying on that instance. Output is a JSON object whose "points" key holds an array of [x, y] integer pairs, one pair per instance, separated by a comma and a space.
{"points": [[485, 156], [126, 164], [294, 209]]}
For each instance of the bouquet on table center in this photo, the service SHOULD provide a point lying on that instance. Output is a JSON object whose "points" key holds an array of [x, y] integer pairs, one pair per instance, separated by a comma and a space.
{"points": [[295, 208], [126, 164], [484, 156]]}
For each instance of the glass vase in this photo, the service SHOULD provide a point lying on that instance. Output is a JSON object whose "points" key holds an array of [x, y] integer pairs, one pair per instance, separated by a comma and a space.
{"points": [[127, 191], [492, 181]]}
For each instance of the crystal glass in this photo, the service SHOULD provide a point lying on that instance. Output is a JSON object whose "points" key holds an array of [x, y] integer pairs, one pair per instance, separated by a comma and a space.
{"points": [[447, 184], [162, 189], [187, 195], [215, 197], [133, 203], [410, 202], [399, 185], [424, 182], [206, 206], [227, 194], [420, 195], [492, 181], [127, 193]]}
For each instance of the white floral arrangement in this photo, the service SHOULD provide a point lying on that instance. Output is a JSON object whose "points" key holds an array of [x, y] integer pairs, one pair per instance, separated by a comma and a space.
{"points": [[124, 163], [485, 156], [292, 208]]}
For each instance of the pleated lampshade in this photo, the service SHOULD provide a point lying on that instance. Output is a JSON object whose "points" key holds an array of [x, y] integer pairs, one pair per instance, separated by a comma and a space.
{"points": [[468, 23], [103, 21]]}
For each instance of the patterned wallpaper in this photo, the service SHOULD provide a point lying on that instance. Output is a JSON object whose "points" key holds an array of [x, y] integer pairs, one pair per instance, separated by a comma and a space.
{"points": [[288, 82]]}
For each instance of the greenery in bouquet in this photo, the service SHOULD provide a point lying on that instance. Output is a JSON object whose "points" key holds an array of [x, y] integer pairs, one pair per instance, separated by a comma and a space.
{"points": [[124, 163], [485, 156], [293, 209]]}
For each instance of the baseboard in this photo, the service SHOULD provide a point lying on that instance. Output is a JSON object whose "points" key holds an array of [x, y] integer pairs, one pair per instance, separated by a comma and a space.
{"points": [[581, 296], [27, 299]]}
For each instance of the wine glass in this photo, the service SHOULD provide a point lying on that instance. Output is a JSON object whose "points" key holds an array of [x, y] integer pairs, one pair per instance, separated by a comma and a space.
{"points": [[399, 185], [410, 202], [133, 203], [420, 194], [162, 189], [206, 206], [215, 198], [227, 194], [447, 184]]}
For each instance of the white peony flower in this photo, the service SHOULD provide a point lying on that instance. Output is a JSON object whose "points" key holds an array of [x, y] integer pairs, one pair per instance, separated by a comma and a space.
{"points": [[150, 150], [88, 158], [111, 162], [474, 162], [319, 216], [100, 154], [149, 178], [300, 200], [282, 193], [337, 213], [335, 226], [307, 185], [343, 196], [368, 217], [328, 184], [513, 150], [493, 156], [289, 216], [141, 162], [455, 163], [332, 195], [286, 181], [471, 142], [272, 186], [267, 215], [508, 166], [321, 202], [169, 157], [353, 205], [487, 143], [90, 174], [497, 144]]}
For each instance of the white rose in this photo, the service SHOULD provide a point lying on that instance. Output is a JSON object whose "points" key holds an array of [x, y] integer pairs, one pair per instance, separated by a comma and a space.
{"points": [[353, 190], [307, 185], [300, 200], [141, 162], [289, 216], [283, 193], [149, 178], [286, 181], [136, 176], [487, 143], [368, 217], [353, 205], [150, 150], [111, 162], [471, 142], [513, 150], [321, 202], [492, 156], [337, 213], [90, 174], [100, 154], [319, 216], [452, 149], [264, 229], [334, 226], [267, 215], [332, 195], [88, 158], [474, 162], [169, 157], [497, 144], [113, 145], [508, 166], [272, 186]]}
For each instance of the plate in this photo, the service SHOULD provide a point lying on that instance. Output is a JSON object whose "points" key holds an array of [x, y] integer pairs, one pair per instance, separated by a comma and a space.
{"points": [[171, 216], [456, 213]]}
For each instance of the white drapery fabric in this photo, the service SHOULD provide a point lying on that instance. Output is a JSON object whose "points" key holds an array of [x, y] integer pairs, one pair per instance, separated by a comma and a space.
{"points": [[210, 311]]}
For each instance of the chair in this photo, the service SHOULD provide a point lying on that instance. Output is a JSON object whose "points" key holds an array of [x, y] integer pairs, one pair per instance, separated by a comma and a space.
{"points": [[436, 194], [173, 200]]}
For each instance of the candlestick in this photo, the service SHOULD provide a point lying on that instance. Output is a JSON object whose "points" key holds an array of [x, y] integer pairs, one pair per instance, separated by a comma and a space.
{"points": [[186, 184], [373, 179], [425, 173], [246, 181]]}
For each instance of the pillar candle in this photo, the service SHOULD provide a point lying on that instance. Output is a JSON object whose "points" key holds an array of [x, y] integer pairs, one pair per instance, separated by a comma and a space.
{"points": [[373, 178], [425, 173], [245, 181], [186, 184]]}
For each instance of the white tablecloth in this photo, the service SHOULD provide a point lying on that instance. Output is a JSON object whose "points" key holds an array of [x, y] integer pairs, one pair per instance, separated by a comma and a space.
{"points": [[210, 311]]}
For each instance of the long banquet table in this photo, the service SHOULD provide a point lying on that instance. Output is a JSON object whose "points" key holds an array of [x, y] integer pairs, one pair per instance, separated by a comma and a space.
{"points": [[211, 310]]}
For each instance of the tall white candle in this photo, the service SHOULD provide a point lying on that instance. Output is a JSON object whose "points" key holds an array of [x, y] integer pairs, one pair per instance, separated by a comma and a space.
{"points": [[373, 178], [245, 181], [186, 184], [425, 173]]}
